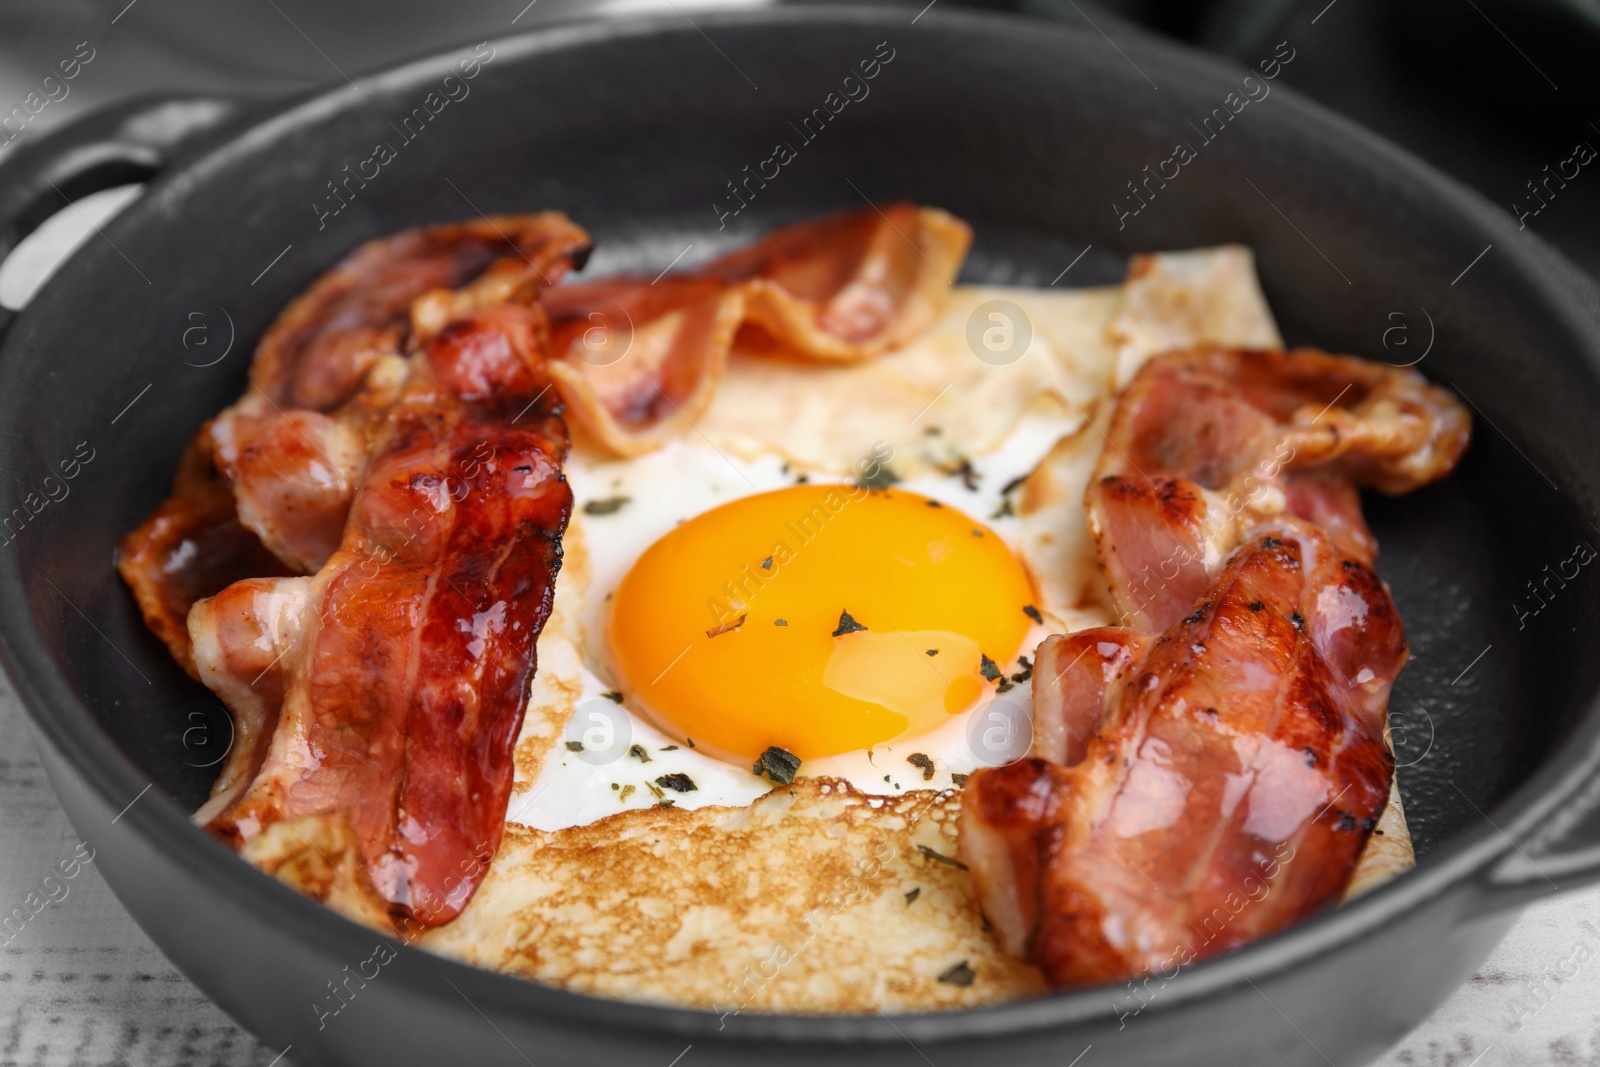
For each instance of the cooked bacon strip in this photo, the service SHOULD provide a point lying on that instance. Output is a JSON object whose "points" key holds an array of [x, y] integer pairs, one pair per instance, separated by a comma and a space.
{"points": [[1213, 774], [1206, 442], [1074, 677], [241, 636], [839, 289], [318, 351], [851, 285], [294, 480], [389, 688], [635, 357], [293, 473], [192, 546], [1230, 786]]}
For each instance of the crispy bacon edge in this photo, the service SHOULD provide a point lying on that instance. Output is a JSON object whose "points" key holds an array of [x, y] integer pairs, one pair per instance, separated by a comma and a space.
{"points": [[638, 356]]}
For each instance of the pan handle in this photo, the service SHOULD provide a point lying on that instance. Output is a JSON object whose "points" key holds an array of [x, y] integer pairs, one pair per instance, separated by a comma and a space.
{"points": [[1557, 849], [129, 141]]}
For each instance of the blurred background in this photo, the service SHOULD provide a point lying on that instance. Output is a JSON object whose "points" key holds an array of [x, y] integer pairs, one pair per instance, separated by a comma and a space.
{"points": [[1491, 91]]}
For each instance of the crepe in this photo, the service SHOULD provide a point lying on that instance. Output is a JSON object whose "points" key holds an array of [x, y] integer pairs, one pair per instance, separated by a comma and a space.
{"points": [[816, 898]]}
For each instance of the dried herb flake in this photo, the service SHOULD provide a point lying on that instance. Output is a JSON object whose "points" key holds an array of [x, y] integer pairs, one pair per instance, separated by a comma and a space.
{"points": [[989, 668], [1033, 613], [609, 506], [920, 760], [880, 478], [847, 625], [777, 764], [638, 752], [961, 974], [940, 857], [678, 783]]}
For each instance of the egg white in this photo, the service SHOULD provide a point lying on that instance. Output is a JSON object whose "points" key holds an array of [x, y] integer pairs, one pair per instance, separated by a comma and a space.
{"points": [[623, 506]]}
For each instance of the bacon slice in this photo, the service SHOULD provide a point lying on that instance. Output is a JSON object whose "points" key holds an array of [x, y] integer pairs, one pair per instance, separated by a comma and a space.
{"points": [[389, 688], [641, 356], [1208, 441], [851, 285], [190, 547], [318, 351], [1212, 773], [293, 472], [1229, 787], [640, 359], [241, 637]]}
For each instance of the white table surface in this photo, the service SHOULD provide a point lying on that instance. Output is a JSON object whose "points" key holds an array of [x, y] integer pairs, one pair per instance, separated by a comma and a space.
{"points": [[82, 984]]}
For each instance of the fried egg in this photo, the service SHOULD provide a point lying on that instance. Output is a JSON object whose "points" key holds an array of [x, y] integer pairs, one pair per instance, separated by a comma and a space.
{"points": [[829, 567]]}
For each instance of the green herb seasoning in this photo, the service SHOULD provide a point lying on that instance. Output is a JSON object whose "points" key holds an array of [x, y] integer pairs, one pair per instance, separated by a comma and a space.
{"points": [[961, 974], [777, 764], [880, 478], [940, 857], [609, 506], [847, 625]]}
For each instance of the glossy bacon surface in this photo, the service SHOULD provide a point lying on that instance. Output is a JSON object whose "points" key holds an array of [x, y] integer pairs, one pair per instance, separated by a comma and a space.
{"points": [[293, 469], [320, 348], [1206, 442], [400, 684], [190, 547], [1212, 772], [1229, 786]]}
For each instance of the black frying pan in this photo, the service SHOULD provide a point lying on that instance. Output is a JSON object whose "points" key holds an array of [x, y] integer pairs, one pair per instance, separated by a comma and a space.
{"points": [[1030, 132]]}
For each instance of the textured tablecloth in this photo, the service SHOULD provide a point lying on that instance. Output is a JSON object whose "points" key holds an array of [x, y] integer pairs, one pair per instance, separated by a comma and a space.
{"points": [[81, 984]]}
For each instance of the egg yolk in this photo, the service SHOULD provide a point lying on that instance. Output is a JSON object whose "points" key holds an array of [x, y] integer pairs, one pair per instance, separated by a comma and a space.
{"points": [[819, 618]]}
